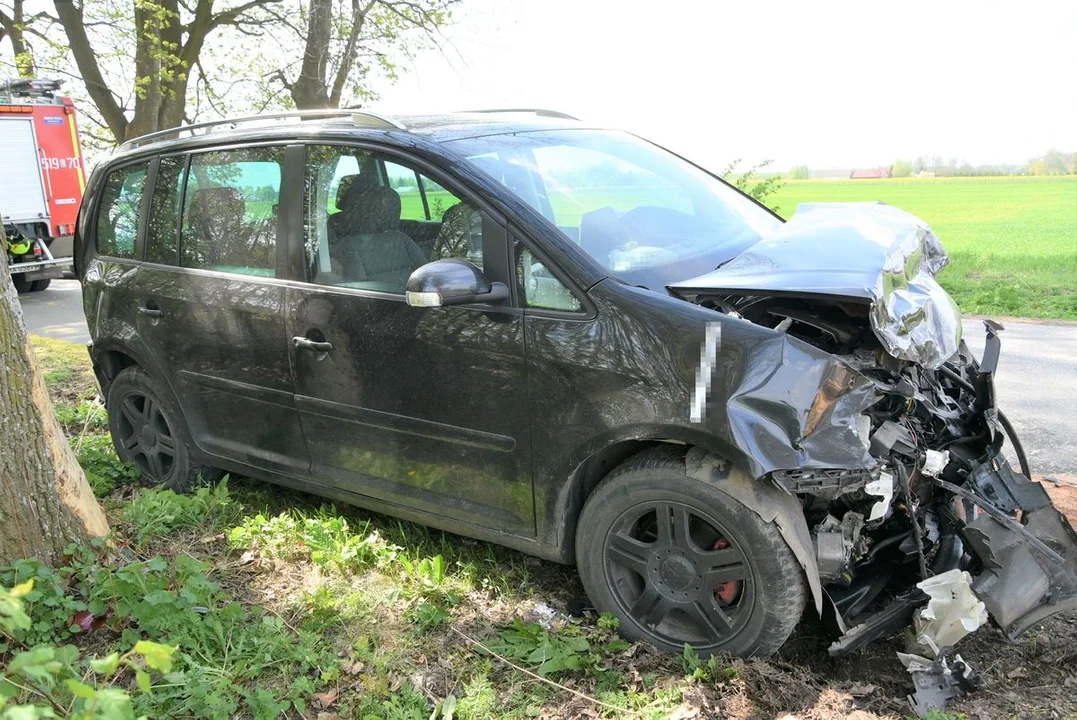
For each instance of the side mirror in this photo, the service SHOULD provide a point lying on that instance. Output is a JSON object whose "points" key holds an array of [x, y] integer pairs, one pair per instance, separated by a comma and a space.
{"points": [[451, 281]]}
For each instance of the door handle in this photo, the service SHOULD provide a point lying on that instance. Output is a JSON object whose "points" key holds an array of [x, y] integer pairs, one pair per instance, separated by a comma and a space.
{"points": [[305, 343], [151, 311]]}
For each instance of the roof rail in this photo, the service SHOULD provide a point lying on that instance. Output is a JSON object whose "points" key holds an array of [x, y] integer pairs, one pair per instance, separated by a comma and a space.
{"points": [[361, 118], [534, 111]]}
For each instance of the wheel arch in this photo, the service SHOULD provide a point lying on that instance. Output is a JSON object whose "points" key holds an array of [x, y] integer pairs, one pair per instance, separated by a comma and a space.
{"points": [[109, 358], [606, 454], [107, 364]]}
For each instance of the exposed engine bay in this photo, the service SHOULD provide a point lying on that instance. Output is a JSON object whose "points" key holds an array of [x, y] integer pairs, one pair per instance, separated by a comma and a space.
{"points": [[941, 495]]}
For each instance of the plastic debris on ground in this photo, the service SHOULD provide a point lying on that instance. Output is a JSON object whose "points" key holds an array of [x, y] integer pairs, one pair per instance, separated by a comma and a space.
{"points": [[546, 616], [937, 681], [952, 612]]}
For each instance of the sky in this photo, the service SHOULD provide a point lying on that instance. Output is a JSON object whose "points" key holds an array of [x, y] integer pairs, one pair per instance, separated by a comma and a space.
{"points": [[825, 83]]}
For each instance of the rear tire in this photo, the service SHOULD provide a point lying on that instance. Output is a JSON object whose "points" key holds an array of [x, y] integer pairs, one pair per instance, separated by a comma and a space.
{"points": [[39, 285], [22, 285], [679, 561], [148, 431]]}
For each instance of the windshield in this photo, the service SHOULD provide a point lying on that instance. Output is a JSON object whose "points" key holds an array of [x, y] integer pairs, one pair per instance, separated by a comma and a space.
{"points": [[644, 214]]}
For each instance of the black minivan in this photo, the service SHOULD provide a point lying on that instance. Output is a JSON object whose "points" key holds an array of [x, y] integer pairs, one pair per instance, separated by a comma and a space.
{"points": [[567, 340]]}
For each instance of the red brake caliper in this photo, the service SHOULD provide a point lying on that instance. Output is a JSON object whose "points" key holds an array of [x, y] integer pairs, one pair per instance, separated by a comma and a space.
{"points": [[726, 592]]}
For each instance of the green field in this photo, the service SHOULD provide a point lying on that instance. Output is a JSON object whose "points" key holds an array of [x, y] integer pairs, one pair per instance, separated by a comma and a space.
{"points": [[1012, 240]]}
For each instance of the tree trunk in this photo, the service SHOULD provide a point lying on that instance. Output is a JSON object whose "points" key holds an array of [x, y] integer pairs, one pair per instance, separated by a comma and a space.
{"points": [[45, 501], [310, 91], [148, 60]]}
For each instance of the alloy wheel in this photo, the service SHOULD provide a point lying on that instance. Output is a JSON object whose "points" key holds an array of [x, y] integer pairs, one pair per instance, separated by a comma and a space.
{"points": [[679, 573], [147, 435]]}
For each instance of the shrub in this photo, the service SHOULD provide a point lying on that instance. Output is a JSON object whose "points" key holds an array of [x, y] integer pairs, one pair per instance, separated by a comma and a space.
{"points": [[38, 682]]}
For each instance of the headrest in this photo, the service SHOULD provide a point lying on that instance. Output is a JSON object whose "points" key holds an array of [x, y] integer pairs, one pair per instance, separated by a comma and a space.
{"points": [[342, 190], [379, 211]]}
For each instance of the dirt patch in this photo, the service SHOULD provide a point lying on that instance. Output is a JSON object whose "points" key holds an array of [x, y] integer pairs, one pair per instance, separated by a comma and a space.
{"points": [[1062, 487]]}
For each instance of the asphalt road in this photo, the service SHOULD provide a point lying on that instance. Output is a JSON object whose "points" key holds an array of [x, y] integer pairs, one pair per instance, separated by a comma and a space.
{"points": [[56, 312], [1037, 376]]}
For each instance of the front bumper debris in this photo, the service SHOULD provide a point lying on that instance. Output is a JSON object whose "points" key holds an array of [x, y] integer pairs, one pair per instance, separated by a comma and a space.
{"points": [[1021, 551], [1030, 567]]}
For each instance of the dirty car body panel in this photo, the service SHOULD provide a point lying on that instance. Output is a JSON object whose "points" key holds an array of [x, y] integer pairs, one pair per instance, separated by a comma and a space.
{"points": [[818, 357]]}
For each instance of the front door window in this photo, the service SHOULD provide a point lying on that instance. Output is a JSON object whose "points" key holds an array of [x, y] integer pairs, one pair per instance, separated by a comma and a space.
{"points": [[371, 221]]}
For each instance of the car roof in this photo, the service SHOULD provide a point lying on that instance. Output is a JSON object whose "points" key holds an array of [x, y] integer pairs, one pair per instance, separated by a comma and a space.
{"points": [[349, 124]]}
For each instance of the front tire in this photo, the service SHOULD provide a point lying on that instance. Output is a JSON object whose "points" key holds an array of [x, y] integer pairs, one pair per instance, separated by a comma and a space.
{"points": [[148, 432], [679, 561]]}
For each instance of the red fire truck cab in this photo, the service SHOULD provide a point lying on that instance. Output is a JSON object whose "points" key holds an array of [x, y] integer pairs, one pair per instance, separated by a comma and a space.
{"points": [[41, 180]]}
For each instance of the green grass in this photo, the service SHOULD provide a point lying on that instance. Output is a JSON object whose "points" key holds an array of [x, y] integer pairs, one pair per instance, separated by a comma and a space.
{"points": [[1012, 240]]}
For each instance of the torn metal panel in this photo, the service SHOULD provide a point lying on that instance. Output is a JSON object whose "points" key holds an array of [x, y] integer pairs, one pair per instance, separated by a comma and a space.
{"points": [[890, 619], [869, 252], [1020, 584], [788, 405]]}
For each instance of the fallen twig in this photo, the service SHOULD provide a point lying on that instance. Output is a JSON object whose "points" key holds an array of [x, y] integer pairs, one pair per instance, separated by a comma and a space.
{"points": [[622, 711]]}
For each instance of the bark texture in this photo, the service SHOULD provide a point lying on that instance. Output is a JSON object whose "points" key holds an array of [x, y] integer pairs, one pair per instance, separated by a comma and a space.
{"points": [[45, 501], [309, 91]]}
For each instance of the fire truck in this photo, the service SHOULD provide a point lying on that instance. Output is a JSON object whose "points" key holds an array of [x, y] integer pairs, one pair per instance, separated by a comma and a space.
{"points": [[41, 180]]}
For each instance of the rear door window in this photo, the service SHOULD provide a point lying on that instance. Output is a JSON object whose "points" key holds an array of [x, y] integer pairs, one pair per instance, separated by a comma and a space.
{"points": [[117, 216], [231, 211], [408, 185]]}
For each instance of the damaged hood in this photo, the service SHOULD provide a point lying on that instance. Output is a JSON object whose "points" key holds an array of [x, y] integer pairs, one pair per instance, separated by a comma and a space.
{"points": [[866, 252]]}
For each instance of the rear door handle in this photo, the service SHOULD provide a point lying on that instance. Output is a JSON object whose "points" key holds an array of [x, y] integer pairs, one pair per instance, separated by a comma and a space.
{"points": [[305, 343]]}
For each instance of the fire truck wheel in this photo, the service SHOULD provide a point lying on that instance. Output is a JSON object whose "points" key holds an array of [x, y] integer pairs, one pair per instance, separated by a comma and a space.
{"points": [[39, 285], [21, 285], [148, 432]]}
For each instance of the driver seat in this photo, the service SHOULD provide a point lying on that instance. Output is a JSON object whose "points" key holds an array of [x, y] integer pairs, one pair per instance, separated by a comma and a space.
{"points": [[375, 250]]}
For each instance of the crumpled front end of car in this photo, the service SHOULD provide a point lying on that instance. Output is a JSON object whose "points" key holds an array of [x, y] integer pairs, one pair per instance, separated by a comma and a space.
{"points": [[869, 408]]}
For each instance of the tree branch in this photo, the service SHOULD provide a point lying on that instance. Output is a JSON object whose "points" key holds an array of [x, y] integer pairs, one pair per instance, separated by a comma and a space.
{"points": [[348, 58], [86, 59], [229, 17]]}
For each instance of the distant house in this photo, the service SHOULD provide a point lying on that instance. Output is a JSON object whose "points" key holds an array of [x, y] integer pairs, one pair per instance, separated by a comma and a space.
{"points": [[871, 174]]}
